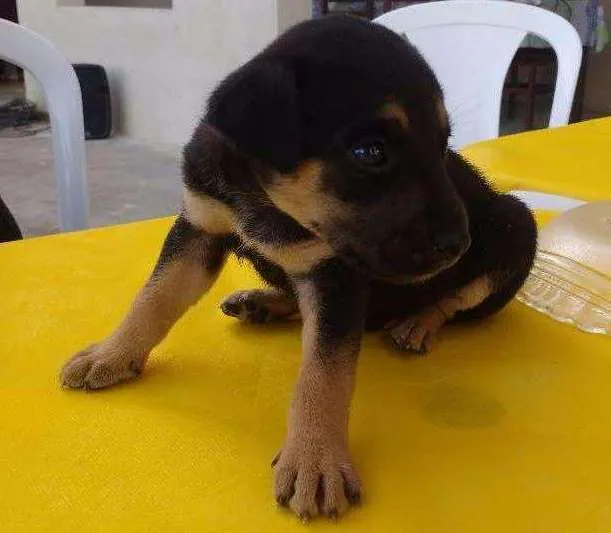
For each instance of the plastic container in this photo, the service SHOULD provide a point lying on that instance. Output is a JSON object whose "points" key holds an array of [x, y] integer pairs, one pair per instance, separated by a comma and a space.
{"points": [[571, 278]]}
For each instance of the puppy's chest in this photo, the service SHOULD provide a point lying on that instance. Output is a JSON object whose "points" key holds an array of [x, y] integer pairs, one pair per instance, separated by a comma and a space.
{"points": [[265, 233]]}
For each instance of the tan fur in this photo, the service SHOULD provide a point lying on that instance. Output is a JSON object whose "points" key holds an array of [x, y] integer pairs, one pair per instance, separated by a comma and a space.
{"points": [[300, 195], [416, 332], [297, 258], [442, 114], [159, 304], [316, 447], [392, 110], [474, 293], [208, 214]]}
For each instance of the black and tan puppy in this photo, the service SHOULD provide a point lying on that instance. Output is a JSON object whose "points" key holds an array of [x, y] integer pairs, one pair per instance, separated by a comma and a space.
{"points": [[325, 162]]}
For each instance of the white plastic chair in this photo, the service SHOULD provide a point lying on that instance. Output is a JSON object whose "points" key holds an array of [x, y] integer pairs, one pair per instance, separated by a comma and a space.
{"points": [[32, 52], [470, 45]]}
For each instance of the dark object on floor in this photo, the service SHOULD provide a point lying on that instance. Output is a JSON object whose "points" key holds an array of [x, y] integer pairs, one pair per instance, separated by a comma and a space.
{"points": [[366, 8], [19, 112], [95, 91], [9, 230]]}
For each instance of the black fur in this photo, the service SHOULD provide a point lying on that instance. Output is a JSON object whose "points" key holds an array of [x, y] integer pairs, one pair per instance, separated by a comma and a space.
{"points": [[183, 234], [341, 296], [315, 94]]}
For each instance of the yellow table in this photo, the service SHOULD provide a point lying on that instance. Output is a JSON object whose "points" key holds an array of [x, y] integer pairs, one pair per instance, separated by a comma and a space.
{"points": [[574, 161], [504, 427]]}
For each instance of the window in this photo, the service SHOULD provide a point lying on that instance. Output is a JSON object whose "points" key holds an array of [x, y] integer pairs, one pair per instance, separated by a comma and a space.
{"points": [[164, 4]]}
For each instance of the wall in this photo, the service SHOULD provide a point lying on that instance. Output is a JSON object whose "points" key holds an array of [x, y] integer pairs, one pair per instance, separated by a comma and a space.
{"points": [[598, 81], [162, 63]]}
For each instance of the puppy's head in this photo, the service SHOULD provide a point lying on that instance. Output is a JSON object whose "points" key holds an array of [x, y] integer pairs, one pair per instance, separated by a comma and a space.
{"points": [[348, 123]]}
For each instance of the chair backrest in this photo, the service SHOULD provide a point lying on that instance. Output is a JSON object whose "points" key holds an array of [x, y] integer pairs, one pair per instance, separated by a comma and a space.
{"points": [[56, 76], [470, 45]]}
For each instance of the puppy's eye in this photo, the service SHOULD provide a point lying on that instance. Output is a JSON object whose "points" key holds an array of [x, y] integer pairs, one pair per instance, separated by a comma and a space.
{"points": [[370, 154]]}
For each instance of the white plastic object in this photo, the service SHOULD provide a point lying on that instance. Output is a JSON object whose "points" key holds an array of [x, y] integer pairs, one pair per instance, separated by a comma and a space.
{"points": [[34, 53], [470, 45], [571, 278]]}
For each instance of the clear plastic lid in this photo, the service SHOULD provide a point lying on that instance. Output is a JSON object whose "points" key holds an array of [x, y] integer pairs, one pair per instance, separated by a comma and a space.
{"points": [[571, 278]]}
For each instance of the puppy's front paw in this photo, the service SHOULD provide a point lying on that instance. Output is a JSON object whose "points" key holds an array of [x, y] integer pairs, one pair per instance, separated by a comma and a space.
{"points": [[96, 368], [415, 334], [314, 478]]}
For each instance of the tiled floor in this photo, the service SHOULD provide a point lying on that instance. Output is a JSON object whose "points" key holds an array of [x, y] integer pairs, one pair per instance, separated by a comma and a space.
{"points": [[127, 181]]}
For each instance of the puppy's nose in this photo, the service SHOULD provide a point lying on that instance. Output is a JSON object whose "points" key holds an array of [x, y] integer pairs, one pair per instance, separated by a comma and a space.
{"points": [[451, 243]]}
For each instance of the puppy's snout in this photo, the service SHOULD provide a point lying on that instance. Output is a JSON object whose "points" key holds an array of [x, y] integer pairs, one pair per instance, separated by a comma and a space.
{"points": [[451, 243]]}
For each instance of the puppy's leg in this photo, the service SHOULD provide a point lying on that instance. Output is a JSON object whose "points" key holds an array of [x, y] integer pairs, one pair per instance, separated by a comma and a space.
{"points": [[504, 240], [415, 334], [314, 471], [261, 306], [188, 265]]}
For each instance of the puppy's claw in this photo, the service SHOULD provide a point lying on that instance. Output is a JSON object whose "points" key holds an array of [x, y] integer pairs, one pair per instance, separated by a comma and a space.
{"points": [[276, 459], [354, 498], [283, 500], [415, 334]]}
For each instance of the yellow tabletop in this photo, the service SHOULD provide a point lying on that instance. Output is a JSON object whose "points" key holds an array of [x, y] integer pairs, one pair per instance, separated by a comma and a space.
{"points": [[573, 161], [504, 427]]}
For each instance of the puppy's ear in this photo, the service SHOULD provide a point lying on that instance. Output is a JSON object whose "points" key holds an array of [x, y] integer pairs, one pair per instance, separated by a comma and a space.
{"points": [[256, 107]]}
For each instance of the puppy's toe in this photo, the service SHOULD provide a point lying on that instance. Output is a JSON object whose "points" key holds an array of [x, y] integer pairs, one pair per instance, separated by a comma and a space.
{"points": [[416, 333], [94, 368], [247, 306], [311, 484]]}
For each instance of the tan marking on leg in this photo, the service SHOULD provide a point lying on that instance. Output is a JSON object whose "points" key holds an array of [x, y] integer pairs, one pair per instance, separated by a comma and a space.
{"points": [[160, 303], [474, 293], [208, 214], [259, 306], [315, 455], [416, 333], [393, 111]]}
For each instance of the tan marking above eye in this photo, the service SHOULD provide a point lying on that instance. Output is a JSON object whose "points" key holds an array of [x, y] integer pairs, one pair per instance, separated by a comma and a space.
{"points": [[392, 110], [209, 214]]}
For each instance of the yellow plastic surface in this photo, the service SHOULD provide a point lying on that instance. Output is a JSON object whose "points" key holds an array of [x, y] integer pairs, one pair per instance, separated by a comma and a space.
{"points": [[573, 161], [504, 427]]}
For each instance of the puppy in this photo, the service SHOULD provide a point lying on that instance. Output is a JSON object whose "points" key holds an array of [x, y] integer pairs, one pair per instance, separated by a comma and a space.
{"points": [[324, 161]]}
